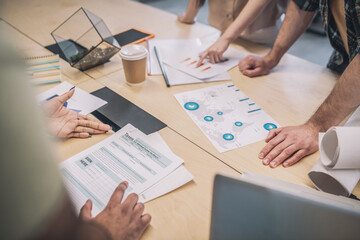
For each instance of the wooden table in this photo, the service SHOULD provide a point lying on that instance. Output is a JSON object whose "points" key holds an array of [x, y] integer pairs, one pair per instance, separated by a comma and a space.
{"points": [[290, 94]]}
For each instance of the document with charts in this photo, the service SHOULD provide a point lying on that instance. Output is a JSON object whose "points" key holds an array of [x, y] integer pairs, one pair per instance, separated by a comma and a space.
{"points": [[226, 116], [126, 155], [188, 64]]}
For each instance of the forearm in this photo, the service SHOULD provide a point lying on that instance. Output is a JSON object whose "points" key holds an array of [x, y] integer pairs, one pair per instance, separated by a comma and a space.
{"points": [[192, 9], [295, 23], [246, 17], [343, 99]]}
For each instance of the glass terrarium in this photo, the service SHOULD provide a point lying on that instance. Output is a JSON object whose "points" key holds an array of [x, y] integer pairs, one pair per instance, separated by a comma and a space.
{"points": [[85, 40]]}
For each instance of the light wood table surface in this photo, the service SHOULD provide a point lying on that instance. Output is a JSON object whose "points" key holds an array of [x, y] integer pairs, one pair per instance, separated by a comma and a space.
{"points": [[185, 208], [290, 94]]}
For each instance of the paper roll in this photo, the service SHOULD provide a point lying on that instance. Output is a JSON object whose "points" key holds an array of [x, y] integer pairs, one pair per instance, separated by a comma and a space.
{"points": [[336, 181], [340, 148]]}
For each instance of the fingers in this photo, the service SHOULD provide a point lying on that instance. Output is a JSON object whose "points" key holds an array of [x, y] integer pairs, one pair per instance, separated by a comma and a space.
{"points": [[96, 125], [78, 135], [85, 212], [66, 96], [202, 58], [118, 194], [272, 134], [146, 218], [131, 201], [271, 144], [80, 129], [246, 63], [295, 158], [283, 155], [81, 117], [253, 72], [139, 209], [216, 58], [212, 59], [274, 152]]}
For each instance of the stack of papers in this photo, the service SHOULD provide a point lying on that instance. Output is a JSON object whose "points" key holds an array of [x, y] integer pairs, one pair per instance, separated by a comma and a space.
{"points": [[173, 54], [81, 102], [145, 162], [227, 117], [44, 69]]}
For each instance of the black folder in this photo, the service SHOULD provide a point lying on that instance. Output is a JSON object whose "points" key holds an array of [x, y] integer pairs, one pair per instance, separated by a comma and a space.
{"points": [[118, 112]]}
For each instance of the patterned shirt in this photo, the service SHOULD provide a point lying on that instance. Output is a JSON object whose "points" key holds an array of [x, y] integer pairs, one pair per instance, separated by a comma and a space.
{"points": [[339, 59]]}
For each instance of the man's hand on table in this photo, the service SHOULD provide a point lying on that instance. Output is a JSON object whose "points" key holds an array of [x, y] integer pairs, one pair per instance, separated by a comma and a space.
{"points": [[122, 220], [288, 145], [65, 123], [253, 66]]}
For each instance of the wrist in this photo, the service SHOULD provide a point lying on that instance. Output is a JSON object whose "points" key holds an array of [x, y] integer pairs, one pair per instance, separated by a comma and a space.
{"points": [[271, 61], [275, 55], [316, 127], [227, 37]]}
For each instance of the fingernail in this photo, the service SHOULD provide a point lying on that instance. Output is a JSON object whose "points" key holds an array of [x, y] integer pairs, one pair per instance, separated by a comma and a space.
{"points": [[261, 155], [72, 88], [273, 164], [285, 164], [266, 161]]}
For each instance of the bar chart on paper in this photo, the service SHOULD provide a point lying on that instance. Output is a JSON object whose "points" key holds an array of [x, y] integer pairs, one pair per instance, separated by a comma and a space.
{"points": [[226, 116], [206, 69]]}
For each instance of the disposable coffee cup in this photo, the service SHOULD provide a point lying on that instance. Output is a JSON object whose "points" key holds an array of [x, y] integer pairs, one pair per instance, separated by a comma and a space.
{"points": [[134, 62]]}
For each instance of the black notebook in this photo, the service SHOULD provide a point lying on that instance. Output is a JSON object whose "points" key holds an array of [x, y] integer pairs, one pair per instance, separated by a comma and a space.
{"points": [[118, 112]]}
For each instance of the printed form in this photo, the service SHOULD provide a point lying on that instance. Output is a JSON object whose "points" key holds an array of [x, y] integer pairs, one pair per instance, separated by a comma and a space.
{"points": [[126, 155]]}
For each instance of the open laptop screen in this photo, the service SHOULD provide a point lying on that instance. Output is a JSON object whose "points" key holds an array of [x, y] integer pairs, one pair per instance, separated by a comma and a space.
{"points": [[244, 210]]}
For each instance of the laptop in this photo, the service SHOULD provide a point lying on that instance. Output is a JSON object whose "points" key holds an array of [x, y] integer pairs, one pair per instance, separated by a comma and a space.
{"points": [[258, 207]]}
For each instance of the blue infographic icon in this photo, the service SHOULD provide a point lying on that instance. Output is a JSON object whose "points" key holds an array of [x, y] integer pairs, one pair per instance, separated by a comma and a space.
{"points": [[228, 136], [269, 126], [238, 124], [220, 113], [208, 118], [191, 106]]}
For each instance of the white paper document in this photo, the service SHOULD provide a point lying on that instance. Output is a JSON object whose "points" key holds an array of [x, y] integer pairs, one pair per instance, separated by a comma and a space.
{"points": [[337, 171], [226, 116], [172, 48], [177, 77], [81, 102], [169, 48], [188, 63], [174, 180], [128, 156]]}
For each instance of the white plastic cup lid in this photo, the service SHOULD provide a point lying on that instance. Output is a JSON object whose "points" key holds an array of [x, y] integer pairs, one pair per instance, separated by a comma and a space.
{"points": [[133, 52]]}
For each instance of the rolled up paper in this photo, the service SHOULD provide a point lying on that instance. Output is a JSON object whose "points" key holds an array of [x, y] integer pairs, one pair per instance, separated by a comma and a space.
{"points": [[336, 181], [340, 148]]}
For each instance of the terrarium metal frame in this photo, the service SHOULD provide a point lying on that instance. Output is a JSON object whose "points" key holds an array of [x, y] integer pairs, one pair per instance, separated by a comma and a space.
{"points": [[87, 58]]}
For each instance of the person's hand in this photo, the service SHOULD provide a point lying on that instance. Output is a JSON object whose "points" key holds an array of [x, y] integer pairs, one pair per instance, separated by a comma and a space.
{"points": [[214, 52], [122, 220], [289, 145], [65, 123], [253, 66], [183, 18]]}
